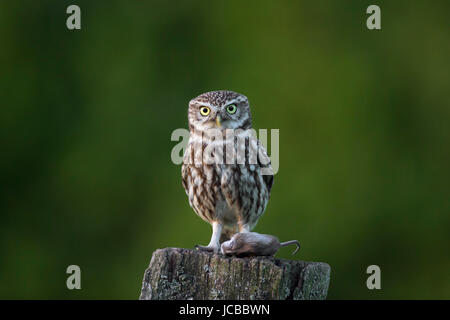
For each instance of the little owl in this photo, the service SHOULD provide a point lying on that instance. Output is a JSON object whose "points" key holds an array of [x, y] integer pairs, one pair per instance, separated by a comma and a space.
{"points": [[231, 194]]}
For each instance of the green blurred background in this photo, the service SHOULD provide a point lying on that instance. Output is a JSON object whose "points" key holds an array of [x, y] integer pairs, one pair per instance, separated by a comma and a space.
{"points": [[86, 118]]}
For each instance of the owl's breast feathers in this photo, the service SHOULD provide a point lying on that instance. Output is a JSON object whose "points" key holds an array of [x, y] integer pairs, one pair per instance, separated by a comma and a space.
{"points": [[230, 193]]}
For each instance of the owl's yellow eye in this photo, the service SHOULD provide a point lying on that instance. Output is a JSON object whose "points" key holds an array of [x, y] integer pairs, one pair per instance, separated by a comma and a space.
{"points": [[231, 109], [204, 111]]}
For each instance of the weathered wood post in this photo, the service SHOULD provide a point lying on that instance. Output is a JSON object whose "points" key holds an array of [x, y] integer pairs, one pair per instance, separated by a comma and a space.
{"points": [[186, 274]]}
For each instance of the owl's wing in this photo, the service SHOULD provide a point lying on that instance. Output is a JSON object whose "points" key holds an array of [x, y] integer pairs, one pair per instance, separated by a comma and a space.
{"points": [[184, 178], [268, 180], [264, 162], [185, 174]]}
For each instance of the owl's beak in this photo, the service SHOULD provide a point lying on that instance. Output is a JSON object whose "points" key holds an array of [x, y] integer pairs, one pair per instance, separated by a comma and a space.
{"points": [[218, 121]]}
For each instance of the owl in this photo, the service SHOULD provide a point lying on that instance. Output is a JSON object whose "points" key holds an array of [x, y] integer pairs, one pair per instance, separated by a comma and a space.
{"points": [[232, 194]]}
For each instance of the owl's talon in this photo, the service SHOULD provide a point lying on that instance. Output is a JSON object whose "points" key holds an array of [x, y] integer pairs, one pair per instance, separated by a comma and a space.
{"points": [[206, 248]]}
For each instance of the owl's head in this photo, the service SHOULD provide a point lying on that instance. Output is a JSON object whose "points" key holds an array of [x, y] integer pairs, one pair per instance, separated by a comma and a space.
{"points": [[219, 110]]}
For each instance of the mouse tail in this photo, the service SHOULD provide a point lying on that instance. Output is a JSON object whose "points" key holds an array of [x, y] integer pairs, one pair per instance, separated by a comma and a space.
{"points": [[288, 243]]}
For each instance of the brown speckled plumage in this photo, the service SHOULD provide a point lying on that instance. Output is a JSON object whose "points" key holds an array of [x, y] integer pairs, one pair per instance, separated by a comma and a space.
{"points": [[231, 197]]}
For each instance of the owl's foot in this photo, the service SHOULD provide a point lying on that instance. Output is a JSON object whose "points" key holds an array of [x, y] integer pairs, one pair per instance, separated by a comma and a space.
{"points": [[214, 244], [208, 248]]}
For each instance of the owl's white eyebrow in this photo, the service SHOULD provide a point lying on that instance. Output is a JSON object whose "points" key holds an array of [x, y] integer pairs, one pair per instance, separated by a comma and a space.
{"points": [[207, 104], [234, 100], [200, 103], [228, 102]]}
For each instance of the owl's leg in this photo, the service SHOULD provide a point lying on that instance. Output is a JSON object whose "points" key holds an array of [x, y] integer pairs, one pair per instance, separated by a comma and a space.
{"points": [[214, 244]]}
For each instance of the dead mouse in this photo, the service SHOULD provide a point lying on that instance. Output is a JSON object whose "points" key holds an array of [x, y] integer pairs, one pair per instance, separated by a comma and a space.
{"points": [[253, 243]]}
